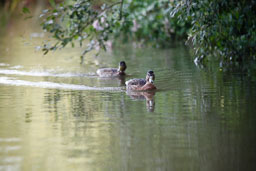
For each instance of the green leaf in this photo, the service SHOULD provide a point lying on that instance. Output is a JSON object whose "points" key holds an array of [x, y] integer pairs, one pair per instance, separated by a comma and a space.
{"points": [[52, 2], [45, 51], [25, 10]]}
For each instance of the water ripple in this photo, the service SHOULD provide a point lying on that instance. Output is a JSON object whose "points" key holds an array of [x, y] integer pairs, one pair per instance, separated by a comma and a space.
{"points": [[10, 139], [45, 84], [4, 64], [43, 74]]}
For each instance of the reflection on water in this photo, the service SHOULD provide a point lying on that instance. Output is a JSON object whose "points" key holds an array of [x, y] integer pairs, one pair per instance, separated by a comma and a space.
{"points": [[108, 81], [56, 114], [43, 84], [148, 96], [11, 71]]}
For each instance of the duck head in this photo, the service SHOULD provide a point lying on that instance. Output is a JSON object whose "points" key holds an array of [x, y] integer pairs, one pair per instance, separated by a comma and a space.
{"points": [[122, 66], [150, 77]]}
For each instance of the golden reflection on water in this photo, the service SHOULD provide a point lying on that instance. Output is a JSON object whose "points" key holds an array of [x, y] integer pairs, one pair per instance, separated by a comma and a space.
{"points": [[56, 138], [50, 130]]}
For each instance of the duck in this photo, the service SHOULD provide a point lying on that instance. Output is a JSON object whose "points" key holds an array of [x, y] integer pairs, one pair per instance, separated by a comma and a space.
{"points": [[142, 84], [113, 72]]}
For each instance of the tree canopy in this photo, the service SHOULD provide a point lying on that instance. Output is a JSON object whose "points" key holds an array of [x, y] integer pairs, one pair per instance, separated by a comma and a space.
{"points": [[223, 29]]}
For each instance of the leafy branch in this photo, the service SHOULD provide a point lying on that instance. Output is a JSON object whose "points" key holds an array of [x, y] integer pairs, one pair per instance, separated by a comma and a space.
{"points": [[143, 21], [81, 22]]}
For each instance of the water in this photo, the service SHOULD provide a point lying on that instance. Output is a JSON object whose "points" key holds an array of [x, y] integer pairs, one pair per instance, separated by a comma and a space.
{"points": [[56, 114]]}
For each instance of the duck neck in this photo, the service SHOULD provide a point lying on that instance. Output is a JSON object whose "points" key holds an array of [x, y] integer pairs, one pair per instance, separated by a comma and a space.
{"points": [[149, 84], [121, 72]]}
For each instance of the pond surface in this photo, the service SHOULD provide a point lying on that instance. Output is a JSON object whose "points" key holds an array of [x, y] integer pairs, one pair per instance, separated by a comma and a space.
{"points": [[56, 114]]}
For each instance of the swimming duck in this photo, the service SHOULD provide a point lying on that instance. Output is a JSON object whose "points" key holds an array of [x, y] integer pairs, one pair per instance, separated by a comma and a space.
{"points": [[142, 84], [112, 72]]}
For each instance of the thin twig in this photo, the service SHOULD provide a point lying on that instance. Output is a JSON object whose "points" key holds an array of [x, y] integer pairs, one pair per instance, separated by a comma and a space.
{"points": [[121, 10], [110, 6]]}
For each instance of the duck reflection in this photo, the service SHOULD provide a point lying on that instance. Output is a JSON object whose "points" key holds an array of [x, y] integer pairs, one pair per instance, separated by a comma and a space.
{"points": [[121, 80], [149, 96]]}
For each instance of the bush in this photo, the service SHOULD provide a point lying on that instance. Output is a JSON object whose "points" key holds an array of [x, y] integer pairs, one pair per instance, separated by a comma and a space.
{"points": [[222, 28], [225, 29], [146, 21], [150, 21]]}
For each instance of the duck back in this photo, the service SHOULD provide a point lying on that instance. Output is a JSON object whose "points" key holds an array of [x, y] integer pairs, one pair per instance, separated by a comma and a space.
{"points": [[108, 72], [136, 82]]}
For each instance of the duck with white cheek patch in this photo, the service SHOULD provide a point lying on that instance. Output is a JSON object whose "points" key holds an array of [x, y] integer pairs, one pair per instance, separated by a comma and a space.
{"points": [[142, 84]]}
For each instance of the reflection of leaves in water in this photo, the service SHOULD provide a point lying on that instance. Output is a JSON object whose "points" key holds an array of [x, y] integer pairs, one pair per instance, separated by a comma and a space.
{"points": [[28, 116], [83, 104], [52, 100], [73, 102]]}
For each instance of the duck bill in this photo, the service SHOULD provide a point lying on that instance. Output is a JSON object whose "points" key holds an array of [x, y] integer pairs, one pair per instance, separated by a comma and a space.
{"points": [[151, 79]]}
